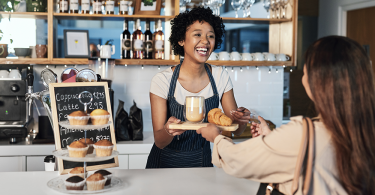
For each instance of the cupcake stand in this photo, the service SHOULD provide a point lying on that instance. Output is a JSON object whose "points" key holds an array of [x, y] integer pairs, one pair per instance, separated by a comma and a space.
{"points": [[58, 183]]}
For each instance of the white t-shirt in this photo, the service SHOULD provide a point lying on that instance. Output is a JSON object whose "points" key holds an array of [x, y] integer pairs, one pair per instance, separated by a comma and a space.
{"points": [[161, 81]]}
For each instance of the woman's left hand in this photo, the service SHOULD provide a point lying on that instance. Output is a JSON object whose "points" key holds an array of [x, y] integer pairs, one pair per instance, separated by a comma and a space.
{"points": [[210, 132], [241, 115]]}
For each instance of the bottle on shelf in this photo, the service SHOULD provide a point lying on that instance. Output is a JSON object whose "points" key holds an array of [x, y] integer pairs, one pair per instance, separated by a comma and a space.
{"points": [[159, 42], [123, 7], [148, 42], [125, 42], [109, 7], [97, 7], [64, 4], [73, 6], [138, 39], [85, 6]]}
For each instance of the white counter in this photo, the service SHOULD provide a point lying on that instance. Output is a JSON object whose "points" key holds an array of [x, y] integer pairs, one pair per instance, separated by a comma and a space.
{"points": [[189, 181]]}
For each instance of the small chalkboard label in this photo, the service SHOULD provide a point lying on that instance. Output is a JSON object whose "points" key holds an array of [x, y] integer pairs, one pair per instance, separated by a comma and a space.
{"points": [[65, 100]]}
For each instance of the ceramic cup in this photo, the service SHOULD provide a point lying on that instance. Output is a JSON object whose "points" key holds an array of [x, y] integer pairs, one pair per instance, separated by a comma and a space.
{"points": [[41, 51], [213, 56], [14, 74], [4, 74], [3, 50], [258, 56], [235, 56], [269, 57], [282, 57], [224, 56], [105, 50], [33, 52], [247, 57]]}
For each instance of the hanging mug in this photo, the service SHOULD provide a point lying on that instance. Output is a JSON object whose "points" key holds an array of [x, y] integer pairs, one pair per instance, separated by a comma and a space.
{"points": [[105, 50], [3, 50], [41, 51]]}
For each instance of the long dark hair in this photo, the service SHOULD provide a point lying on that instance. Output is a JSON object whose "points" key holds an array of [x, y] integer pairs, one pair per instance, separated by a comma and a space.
{"points": [[342, 86]]}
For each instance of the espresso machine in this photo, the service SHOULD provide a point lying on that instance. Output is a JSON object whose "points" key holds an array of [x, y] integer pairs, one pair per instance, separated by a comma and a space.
{"points": [[15, 121]]}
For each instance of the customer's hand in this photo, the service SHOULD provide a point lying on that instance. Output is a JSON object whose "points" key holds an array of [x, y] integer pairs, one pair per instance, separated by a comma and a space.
{"points": [[210, 132], [260, 129], [241, 115], [173, 132]]}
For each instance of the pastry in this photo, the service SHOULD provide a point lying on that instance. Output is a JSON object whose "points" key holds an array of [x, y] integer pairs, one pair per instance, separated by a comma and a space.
{"points": [[78, 149], [96, 181], [106, 174], [90, 143], [99, 117], [78, 118], [77, 171], [103, 148], [74, 183], [215, 116]]}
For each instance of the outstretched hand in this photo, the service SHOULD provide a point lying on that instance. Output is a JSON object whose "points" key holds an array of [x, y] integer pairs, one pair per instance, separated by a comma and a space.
{"points": [[210, 132], [173, 132], [260, 129], [241, 115]]}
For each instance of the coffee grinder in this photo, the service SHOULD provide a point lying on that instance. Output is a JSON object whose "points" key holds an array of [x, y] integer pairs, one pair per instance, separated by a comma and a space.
{"points": [[15, 121]]}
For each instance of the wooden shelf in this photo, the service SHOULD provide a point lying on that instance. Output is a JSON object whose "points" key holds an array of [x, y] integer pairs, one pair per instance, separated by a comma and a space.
{"points": [[250, 63], [66, 16], [25, 61], [255, 20], [146, 62], [32, 15]]}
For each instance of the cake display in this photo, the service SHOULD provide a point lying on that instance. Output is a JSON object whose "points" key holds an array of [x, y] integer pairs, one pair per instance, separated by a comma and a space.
{"points": [[78, 118], [99, 117], [96, 181], [103, 148], [75, 183], [90, 143], [78, 149]]}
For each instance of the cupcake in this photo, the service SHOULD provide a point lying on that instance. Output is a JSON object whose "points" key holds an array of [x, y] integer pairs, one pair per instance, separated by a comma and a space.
{"points": [[78, 118], [103, 148], [90, 143], [77, 171], [78, 149], [106, 174], [74, 183], [96, 181], [99, 117]]}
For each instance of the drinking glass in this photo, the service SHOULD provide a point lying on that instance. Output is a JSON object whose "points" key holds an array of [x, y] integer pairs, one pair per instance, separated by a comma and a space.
{"points": [[273, 8], [236, 5], [266, 5], [194, 109], [283, 5], [219, 4], [248, 4]]}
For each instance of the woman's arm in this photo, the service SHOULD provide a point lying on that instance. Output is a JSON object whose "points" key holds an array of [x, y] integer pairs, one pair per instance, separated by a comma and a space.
{"points": [[228, 103], [162, 134]]}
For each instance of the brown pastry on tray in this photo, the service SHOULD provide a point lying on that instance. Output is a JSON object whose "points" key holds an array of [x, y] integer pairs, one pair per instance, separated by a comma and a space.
{"points": [[217, 117]]}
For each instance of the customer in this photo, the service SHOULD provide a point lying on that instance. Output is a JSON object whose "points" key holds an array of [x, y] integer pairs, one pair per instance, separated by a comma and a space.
{"points": [[338, 79], [195, 35]]}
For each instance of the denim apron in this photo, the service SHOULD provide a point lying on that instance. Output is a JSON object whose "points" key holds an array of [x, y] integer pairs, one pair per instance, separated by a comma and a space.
{"points": [[188, 149]]}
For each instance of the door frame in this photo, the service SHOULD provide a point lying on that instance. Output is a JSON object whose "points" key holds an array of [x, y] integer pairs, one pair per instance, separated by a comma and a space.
{"points": [[343, 14]]}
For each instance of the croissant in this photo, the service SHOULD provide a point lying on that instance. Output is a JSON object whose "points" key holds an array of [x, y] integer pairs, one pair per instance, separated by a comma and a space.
{"points": [[217, 117]]}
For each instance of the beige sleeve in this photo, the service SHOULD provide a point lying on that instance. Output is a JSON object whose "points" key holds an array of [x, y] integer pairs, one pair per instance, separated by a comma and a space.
{"points": [[270, 158]]}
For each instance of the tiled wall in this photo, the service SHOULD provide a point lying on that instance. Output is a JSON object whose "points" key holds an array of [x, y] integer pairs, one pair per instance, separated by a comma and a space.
{"points": [[254, 89]]}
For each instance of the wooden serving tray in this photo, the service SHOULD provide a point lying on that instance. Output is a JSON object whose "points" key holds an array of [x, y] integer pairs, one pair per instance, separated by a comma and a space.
{"points": [[196, 126]]}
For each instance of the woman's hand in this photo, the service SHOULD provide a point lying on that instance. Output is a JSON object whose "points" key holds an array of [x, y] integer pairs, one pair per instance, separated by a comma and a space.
{"points": [[241, 115], [210, 132], [173, 132], [260, 129]]}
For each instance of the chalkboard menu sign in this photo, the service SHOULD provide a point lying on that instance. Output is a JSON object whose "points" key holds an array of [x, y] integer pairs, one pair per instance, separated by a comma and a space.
{"points": [[65, 100]]}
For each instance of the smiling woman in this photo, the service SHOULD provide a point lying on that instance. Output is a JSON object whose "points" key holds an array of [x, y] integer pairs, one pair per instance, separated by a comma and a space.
{"points": [[195, 35]]}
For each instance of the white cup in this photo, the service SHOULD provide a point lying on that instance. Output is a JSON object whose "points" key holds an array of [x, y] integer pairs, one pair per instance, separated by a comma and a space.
{"points": [[235, 56], [4, 74], [258, 56], [14, 74], [224, 56], [269, 57], [247, 57], [213, 56], [105, 50], [282, 57], [33, 51]]}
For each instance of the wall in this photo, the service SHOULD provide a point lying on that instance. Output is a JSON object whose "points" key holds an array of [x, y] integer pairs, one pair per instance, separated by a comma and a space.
{"points": [[253, 89], [330, 16]]}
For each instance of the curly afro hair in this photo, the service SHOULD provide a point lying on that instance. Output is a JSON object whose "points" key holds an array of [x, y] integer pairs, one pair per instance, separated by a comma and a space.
{"points": [[182, 21]]}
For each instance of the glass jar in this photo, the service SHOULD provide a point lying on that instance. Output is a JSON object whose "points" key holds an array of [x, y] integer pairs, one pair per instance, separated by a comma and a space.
{"points": [[85, 6], [110, 7], [97, 7], [123, 7]]}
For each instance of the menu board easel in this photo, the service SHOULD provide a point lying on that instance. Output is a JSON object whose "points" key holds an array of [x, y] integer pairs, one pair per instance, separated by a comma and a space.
{"points": [[64, 100]]}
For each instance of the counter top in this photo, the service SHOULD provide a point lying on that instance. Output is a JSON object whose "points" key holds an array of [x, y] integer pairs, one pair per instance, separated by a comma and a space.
{"points": [[25, 149], [180, 181]]}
